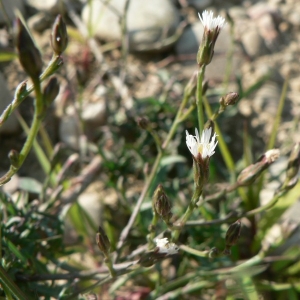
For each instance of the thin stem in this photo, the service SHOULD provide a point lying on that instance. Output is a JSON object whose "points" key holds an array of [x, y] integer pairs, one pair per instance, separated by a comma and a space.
{"points": [[188, 213], [199, 98], [151, 235], [52, 67], [37, 119], [110, 266], [194, 251]]}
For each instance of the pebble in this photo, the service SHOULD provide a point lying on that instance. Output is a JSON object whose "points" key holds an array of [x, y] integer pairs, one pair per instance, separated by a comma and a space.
{"points": [[253, 42], [146, 24], [200, 5]]}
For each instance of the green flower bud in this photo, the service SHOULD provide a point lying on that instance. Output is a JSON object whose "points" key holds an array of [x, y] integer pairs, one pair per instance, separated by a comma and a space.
{"points": [[13, 156], [161, 203], [51, 90], [231, 98], [233, 233], [29, 55], [103, 242], [59, 36], [20, 90]]}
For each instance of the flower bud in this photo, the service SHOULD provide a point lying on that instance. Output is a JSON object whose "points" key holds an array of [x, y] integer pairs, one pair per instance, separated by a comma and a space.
{"points": [[29, 55], [161, 203], [51, 90], [20, 90], [13, 156], [249, 174], [233, 233], [212, 28], [231, 98], [103, 241], [59, 36]]}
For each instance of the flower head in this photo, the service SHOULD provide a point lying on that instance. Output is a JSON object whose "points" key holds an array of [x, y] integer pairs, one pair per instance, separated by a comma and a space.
{"points": [[211, 23], [203, 146], [212, 28], [164, 246]]}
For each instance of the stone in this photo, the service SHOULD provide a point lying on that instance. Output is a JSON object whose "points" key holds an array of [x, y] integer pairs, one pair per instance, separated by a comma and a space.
{"points": [[190, 40], [11, 125], [147, 22], [50, 6], [9, 7], [253, 42], [200, 5], [40, 22], [95, 113]]}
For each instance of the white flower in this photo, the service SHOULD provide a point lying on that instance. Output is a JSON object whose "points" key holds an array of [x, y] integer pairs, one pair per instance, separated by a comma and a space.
{"points": [[164, 246], [202, 146], [211, 23]]}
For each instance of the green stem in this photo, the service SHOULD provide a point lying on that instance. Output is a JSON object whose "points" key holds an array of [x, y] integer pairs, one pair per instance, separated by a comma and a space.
{"points": [[265, 207], [151, 235], [37, 119], [13, 288], [194, 251], [110, 267], [200, 98], [52, 67], [188, 213]]}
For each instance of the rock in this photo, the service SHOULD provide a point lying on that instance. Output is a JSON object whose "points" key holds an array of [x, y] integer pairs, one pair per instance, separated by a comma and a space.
{"points": [[200, 5], [40, 22], [9, 7], [11, 125], [190, 40], [146, 24], [253, 42], [50, 6], [94, 113]]}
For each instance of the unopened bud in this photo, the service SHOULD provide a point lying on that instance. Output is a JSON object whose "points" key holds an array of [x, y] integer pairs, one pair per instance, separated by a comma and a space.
{"points": [[59, 36], [51, 90], [161, 203], [29, 55], [20, 90], [103, 241], [231, 98], [233, 233], [249, 175], [13, 156], [143, 123]]}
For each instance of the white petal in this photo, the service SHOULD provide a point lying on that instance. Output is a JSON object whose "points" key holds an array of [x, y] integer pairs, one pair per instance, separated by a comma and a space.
{"points": [[210, 22]]}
